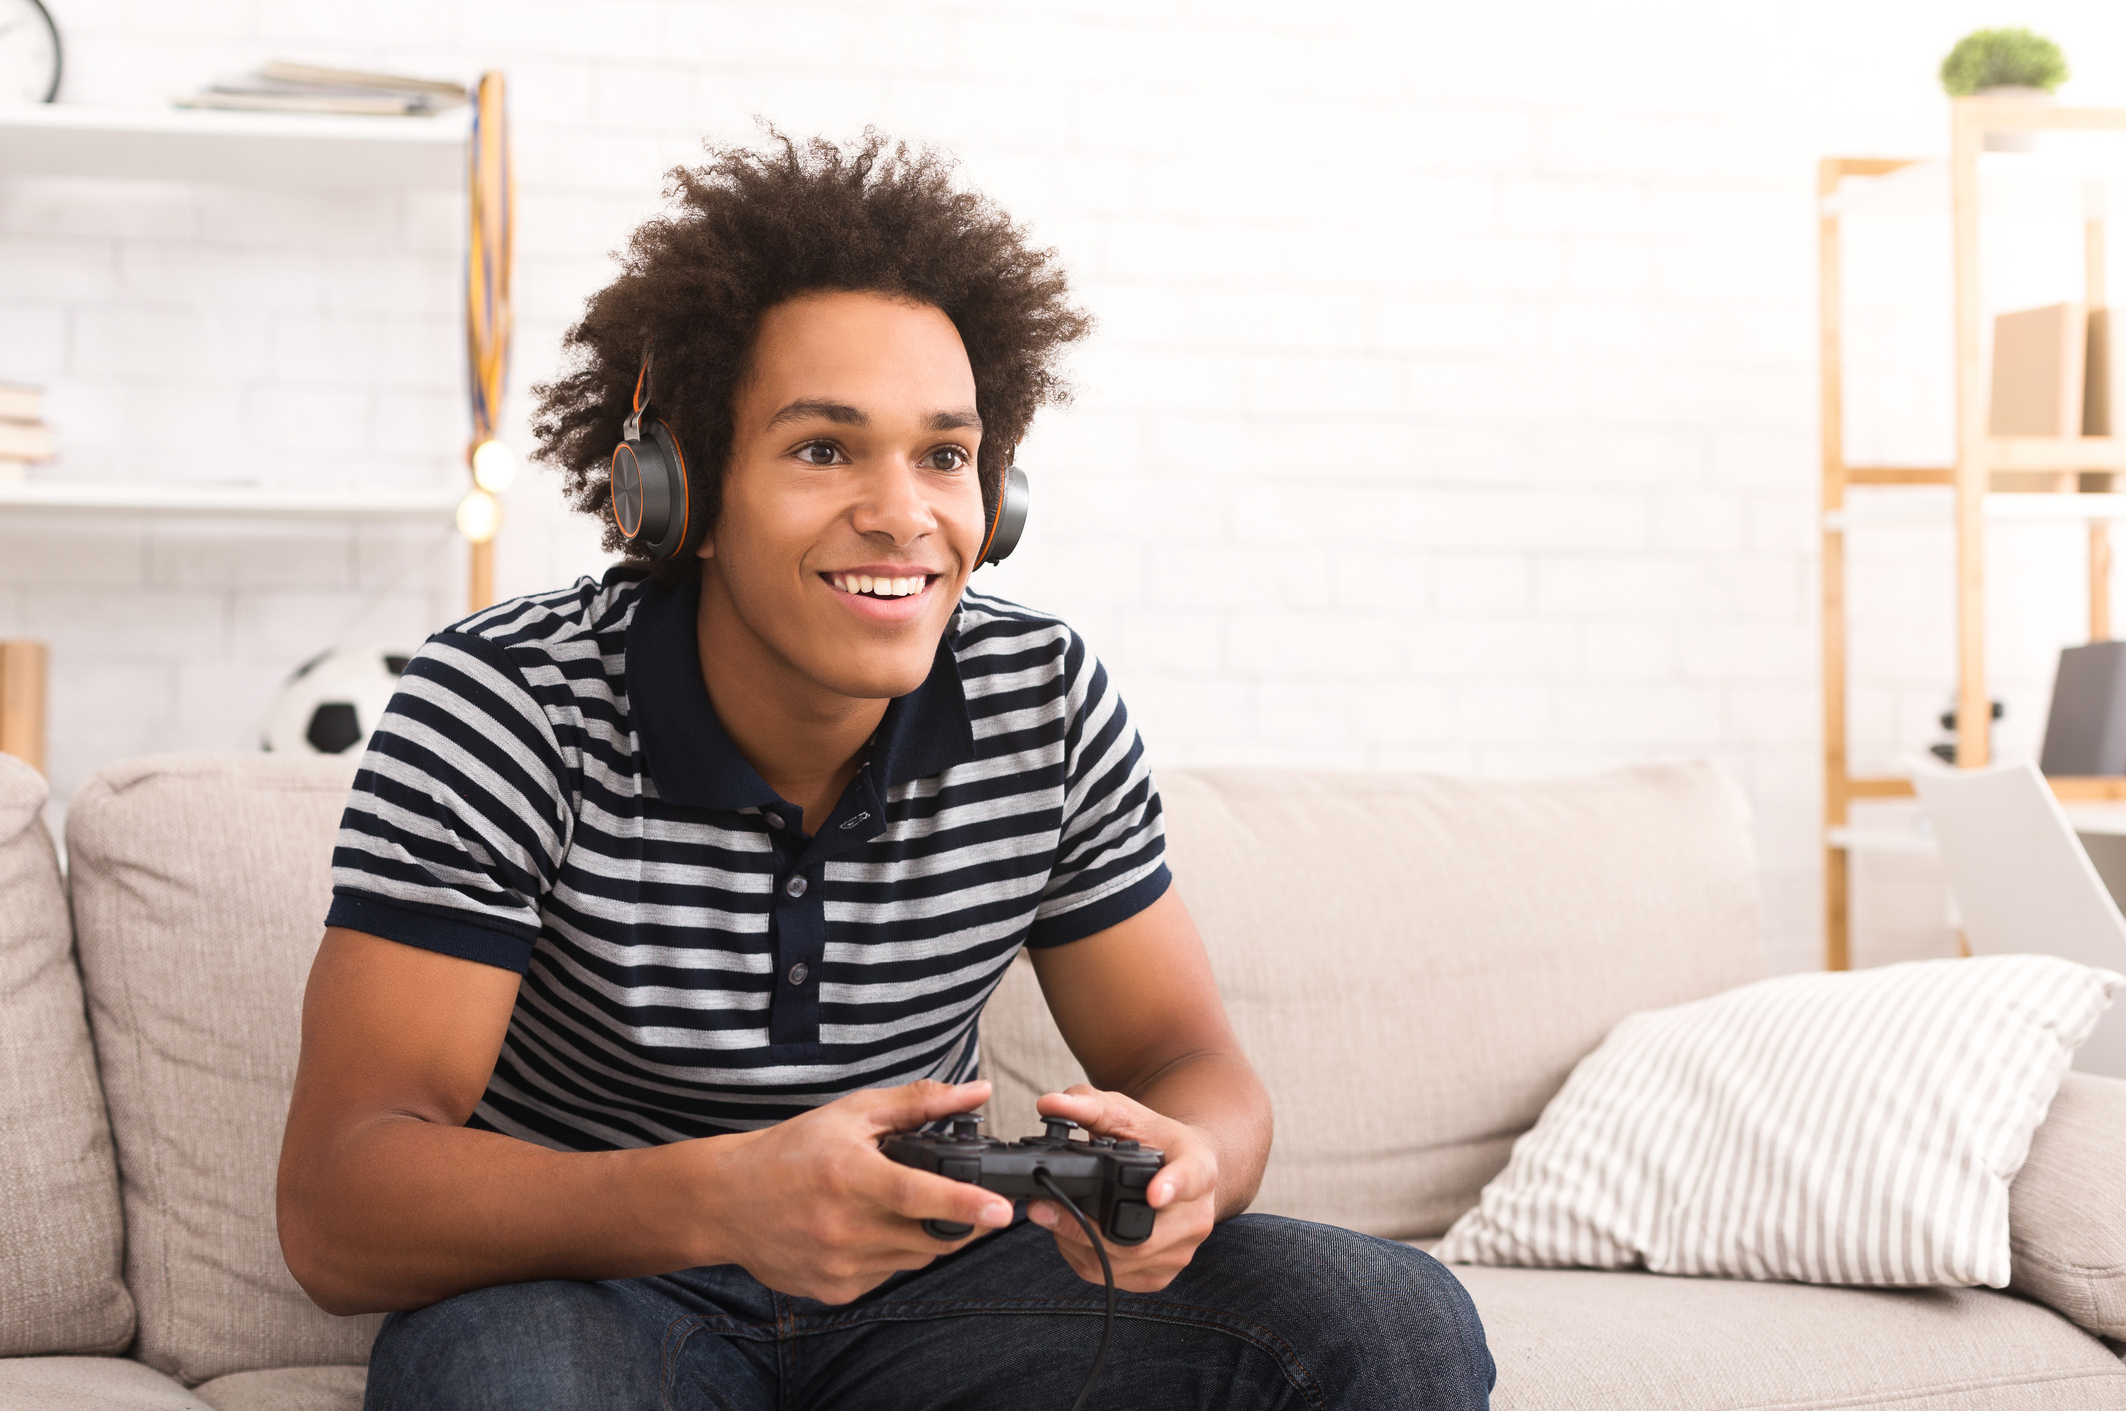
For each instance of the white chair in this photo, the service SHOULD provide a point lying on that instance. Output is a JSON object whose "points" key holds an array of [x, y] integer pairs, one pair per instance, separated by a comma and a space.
{"points": [[2025, 885]]}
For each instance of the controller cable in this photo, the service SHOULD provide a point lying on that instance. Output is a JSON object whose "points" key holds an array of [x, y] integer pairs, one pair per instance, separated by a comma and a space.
{"points": [[1107, 1270]]}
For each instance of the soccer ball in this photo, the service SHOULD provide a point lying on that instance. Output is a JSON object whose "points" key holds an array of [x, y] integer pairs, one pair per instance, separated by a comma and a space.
{"points": [[333, 701]]}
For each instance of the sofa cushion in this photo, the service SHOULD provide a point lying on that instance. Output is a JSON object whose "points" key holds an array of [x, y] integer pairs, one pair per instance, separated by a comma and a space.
{"points": [[1572, 1338], [1835, 1128], [288, 1389], [200, 885], [89, 1384], [60, 1229], [2067, 1210], [1416, 963]]}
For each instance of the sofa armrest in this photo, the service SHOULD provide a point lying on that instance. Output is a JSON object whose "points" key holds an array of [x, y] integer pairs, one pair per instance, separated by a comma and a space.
{"points": [[2067, 1207]]}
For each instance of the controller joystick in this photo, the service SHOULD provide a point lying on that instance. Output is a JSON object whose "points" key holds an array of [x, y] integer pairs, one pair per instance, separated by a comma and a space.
{"points": [[1108, 1180]]}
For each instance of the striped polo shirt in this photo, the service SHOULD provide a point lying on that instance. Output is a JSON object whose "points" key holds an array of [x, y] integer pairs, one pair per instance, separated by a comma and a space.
{"points": [[551, 792]]}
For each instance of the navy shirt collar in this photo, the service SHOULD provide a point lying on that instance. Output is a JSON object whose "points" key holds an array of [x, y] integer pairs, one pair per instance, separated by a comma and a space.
{"points": [[693, 761]]}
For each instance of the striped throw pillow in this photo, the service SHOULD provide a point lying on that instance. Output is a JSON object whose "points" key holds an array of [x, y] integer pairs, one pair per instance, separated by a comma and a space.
{"points": [[1830, 1128]]}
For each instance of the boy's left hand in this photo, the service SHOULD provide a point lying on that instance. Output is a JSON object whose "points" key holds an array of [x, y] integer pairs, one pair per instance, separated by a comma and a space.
{"points": [[1184, 1193]]}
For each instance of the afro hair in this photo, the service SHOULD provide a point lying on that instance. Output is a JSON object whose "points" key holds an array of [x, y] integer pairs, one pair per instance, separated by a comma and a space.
{"points": [[752, 228]]}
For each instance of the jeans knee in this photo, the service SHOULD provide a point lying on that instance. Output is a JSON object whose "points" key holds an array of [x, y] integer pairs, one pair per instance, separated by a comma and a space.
{"points": [[524, 1347], [1372, 1314], [1447, 1306]]}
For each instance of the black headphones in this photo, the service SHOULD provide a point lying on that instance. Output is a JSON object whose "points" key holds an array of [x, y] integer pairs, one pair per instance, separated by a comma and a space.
{"points": [[653, 501]]}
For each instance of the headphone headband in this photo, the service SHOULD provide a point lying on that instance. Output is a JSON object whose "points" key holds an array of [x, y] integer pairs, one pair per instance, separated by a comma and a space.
{"points": [[631, 429]]}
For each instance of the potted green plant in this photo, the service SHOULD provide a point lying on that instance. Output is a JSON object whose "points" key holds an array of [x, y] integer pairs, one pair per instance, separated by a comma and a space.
{"points": [[2004, 63]]}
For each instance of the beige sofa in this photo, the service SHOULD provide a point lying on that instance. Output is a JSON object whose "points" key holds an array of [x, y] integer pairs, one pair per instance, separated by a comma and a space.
{"points": [[1414, 963]]}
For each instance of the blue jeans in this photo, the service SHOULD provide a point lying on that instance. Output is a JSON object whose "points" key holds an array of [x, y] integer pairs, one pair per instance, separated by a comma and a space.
{"points": [[1271, 1313]]}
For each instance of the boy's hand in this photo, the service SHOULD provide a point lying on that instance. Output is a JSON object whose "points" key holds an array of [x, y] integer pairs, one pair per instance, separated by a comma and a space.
{"points": [[1185, 1192], [811, 1207]]}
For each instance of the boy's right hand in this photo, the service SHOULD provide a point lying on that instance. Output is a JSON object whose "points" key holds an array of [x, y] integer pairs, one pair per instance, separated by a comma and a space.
{"points": [[811, 1207]]}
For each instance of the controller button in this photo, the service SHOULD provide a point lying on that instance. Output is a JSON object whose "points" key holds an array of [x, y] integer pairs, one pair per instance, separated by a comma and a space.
{"points": [[1130, 1221], [1059, 1128], [960, 1168], [1134, 1178], [1125, 1146]]}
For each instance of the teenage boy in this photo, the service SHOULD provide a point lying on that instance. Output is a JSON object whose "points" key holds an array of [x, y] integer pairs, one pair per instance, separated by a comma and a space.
{"points": [[659, 901]]}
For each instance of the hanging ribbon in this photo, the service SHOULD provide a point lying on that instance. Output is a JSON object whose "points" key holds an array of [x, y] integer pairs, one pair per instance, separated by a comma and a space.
{"points": [[489, 252]]}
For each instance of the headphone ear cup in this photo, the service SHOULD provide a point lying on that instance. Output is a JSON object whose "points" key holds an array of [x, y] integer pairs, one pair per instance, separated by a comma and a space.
{"points": [[649, 489], [678, 493], [625, 487], [1014, 494]]}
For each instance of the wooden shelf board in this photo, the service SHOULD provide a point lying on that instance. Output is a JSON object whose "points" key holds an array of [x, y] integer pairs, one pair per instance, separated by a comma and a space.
{"points": [[1878, 788], [2056, 453], [310, 150], [1999, 505], [1899, 475], [223, 501], [2067, 788], [2022, 115], [2087, 789]]}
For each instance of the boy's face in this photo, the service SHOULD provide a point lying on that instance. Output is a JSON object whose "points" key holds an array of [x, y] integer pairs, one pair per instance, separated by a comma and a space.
{"points": [[852, 459]]}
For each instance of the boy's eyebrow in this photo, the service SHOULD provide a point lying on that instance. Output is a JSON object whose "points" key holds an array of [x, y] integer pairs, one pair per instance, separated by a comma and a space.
{"points": [[804, 408], [842, 414]]}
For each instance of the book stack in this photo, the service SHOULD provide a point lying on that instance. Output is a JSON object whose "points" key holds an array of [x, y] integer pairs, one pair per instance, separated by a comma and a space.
{"points": [[23, 435], [281, 87]]}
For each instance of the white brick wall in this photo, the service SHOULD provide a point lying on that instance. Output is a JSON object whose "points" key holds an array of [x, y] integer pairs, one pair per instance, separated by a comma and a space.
{"points": [[1453, 404]]}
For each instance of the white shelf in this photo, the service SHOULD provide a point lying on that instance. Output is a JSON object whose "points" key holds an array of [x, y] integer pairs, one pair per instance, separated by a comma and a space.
{"points": [[311, 150], [223, 501], [2096, 820], [1912, 505], [1881, 840]]}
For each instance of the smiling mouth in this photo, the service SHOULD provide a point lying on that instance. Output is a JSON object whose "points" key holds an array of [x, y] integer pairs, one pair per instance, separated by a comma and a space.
{"points": [[864, 585]]}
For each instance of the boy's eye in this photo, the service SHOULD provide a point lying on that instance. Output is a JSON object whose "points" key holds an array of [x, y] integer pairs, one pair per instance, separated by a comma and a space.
{"points": [[948, 457], [817, 453]]}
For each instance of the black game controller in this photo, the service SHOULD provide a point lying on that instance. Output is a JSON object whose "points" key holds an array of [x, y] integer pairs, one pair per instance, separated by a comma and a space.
{"points": [[1106, 1178]]}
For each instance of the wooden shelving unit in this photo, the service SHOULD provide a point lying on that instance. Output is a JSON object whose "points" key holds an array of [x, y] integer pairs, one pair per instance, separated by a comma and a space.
{"points": [[456, 151], [1986, 466]]}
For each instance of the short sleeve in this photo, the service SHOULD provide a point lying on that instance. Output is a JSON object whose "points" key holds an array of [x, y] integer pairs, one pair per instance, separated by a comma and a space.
{"points": [[460, 814], [1111, 860]]}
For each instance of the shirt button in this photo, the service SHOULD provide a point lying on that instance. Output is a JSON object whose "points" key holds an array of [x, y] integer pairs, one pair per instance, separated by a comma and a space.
{"points": [[774, 819], [799, 973], [795, 886]]}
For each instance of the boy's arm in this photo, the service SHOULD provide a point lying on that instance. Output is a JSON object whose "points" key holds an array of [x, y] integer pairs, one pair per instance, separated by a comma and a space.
{"points": [[386, 1200], [1139, 1008]]}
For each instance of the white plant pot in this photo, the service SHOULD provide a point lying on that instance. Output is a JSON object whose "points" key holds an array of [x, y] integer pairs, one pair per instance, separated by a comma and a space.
{"points": [[2018, 93]]}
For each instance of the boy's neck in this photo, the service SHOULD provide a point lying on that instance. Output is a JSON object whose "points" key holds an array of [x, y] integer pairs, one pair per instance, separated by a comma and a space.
{"points": [[806, 741]]}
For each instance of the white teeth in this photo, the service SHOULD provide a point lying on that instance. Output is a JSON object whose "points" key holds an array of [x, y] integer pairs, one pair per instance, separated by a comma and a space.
{"points": [[879, 587]]}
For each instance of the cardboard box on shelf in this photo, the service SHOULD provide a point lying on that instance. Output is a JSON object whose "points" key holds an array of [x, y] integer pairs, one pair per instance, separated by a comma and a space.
{"points": [[2039, 365]]}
